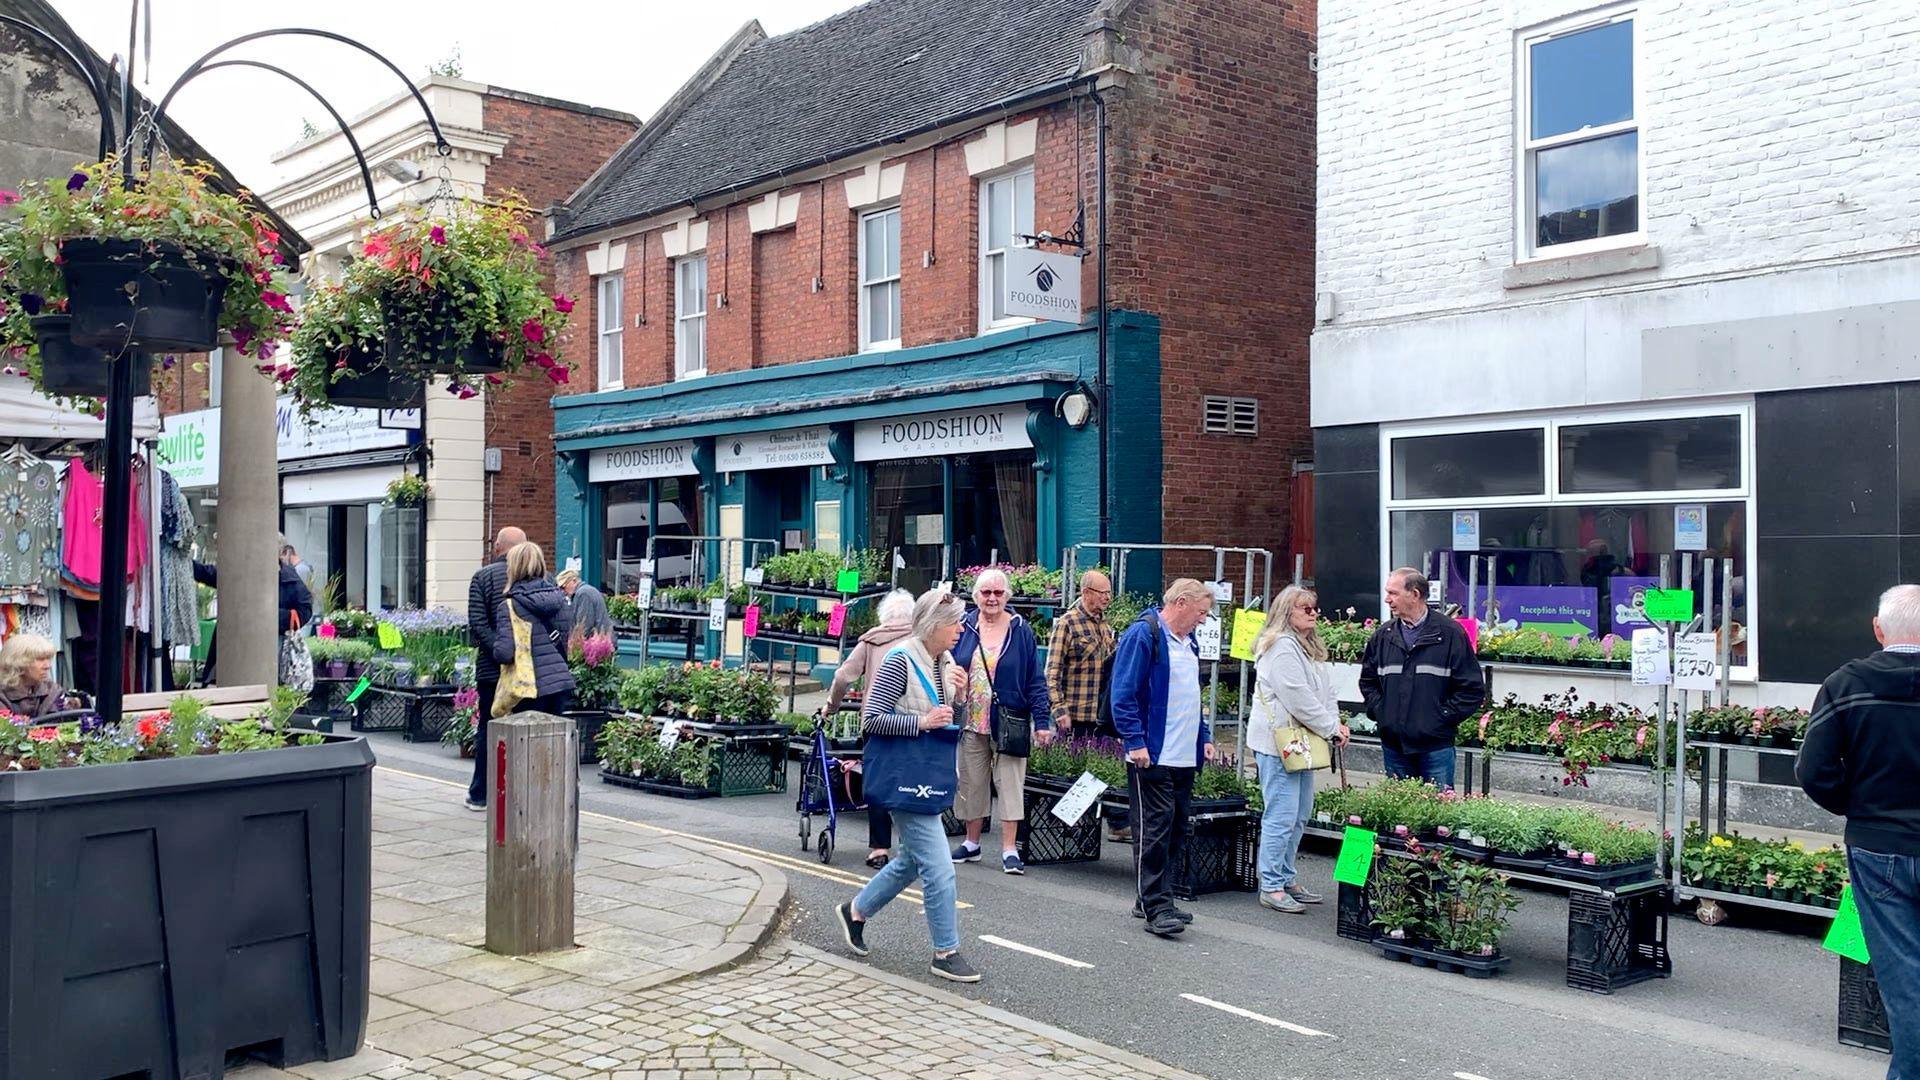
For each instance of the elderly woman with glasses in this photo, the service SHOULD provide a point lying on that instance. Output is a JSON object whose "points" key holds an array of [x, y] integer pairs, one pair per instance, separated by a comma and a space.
{"points": [[1293, 690], [1004, 711], [910, 770]]}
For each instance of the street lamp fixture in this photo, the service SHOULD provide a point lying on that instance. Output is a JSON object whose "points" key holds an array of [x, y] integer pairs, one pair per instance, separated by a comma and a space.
{"points": [[1076, 406]]}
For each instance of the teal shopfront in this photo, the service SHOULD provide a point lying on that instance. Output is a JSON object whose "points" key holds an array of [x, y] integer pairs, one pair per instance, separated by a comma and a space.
{"points": [[949, 454]]}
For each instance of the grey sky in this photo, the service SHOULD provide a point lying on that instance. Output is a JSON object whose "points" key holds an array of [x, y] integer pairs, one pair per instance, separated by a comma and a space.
{"points": [[621, 55]]}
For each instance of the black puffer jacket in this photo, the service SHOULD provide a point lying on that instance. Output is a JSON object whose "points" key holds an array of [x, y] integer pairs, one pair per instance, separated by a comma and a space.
{"points": [[1862, 751], [542, 604]]}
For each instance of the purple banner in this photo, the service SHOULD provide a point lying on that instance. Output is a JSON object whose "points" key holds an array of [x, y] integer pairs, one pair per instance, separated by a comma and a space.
{"points": [[1561, 610], [1628, 612]]}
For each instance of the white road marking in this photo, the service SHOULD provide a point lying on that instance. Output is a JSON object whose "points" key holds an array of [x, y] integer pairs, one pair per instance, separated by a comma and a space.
{"points": [[1267, 1020], [1031, 951], [1468, 1076]]}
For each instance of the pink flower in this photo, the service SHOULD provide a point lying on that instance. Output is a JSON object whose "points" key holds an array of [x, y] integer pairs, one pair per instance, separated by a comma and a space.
{"points": [[461, 391], [276, 301], [543, 359], [1485, 719], [534, 330], [438, 235], [377, 244], [558, 374], [1640, 735], [44, 734], [496, 380], [562, 304], [8, 198]]}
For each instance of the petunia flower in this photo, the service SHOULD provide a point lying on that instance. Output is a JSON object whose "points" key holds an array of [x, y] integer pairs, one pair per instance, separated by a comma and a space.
{"points": [[461, 391], [32, 302], [8, 198], [276, 301], [558, 374], [438, 235], [496, 380], [534, 330], [76, 181], [562, 303], [543, 359]]}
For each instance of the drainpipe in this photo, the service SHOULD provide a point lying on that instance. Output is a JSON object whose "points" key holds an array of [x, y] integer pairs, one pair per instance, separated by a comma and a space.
{"points": [[1101, 392]]}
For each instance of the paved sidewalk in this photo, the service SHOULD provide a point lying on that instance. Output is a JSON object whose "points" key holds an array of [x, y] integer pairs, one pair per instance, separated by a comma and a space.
{"points": [[666, 983]]}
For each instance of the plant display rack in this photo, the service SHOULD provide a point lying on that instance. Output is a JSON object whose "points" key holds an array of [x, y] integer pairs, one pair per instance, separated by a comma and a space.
{"points": [[419, 713], [733, 550], [745, 759], [797, 641], [1863, 1016]]}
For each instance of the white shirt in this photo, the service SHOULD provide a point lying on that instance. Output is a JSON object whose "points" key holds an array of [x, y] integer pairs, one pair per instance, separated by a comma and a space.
{"points": [[1182, 737]]}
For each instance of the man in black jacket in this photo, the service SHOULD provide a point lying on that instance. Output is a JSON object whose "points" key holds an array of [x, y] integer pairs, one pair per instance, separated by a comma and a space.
{"points": [[1420, 679], [1860, 760], [488, 584]]}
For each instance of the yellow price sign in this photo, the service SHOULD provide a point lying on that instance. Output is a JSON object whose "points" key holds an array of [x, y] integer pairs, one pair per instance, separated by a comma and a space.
{"points": [[1247, 624], [389, 635]]}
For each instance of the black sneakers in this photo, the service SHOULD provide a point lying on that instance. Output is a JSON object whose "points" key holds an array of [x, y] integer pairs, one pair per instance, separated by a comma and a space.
{"points": [[1182, 914], [1165, 924], [954, 969], [855, 933]]}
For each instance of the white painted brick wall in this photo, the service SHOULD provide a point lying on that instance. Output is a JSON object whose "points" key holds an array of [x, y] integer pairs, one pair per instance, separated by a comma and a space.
{"points": [[1759, 117]]}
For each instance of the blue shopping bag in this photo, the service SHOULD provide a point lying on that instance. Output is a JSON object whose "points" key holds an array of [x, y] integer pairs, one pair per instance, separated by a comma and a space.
{"points": [[913, 774]]}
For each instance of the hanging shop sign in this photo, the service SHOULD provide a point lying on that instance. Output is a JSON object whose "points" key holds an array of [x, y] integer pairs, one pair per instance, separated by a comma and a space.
{"points": [[774, 449], [609, 463], [332, 431], [1042, 285], [189, 447], [956, 431]]}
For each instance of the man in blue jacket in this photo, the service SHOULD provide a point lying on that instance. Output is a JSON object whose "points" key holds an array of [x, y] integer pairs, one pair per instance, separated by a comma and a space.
{"points": [[1156, 709]]}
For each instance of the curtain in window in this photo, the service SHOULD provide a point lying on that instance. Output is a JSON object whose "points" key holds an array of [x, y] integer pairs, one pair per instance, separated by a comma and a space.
{"points": [[1013, 481]]}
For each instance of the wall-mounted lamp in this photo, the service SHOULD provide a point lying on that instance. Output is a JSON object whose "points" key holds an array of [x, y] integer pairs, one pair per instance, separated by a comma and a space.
{"points": [[1075, 407]]}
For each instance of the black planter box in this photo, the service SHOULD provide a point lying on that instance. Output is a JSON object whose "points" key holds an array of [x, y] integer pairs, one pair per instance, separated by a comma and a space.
{"points": [[367, 383], [1474, 967], [1045, 839], [76, 370], [1863, 1016], [1354, 918], [160, 914], [1616, 941], [446, 356]]}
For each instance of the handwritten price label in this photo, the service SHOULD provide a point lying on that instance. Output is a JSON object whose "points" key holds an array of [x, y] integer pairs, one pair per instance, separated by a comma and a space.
{"points": [[751, 627], [837, 619]]}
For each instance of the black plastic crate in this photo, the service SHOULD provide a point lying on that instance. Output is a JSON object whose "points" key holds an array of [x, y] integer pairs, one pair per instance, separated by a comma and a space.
{"points": [[1218, 856], [956, 827], [429, 714], [1616, 941], [1473, 967], [1863, 1016], [750, 765], [329, 695], [1355, 914], [383, 709], [589, 722], [1045, 839]]}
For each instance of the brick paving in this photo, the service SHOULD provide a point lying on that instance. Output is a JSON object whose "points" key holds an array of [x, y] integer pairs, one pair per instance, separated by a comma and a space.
{"points": [[678, 976]]}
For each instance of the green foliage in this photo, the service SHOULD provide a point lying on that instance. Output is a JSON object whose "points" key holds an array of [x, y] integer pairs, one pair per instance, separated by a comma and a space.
{"points": [[704, 692], [631, 746], [1346, 640], [1126, 607]]}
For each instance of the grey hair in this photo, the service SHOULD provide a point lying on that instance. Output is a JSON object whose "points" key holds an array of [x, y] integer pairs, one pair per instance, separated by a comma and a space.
{"points": [[896, 607], [935, 609], [992, 573], [1411, 580], [1187, 589], [1900, 613]]}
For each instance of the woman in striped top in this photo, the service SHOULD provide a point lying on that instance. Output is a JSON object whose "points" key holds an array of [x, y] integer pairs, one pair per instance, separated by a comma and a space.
{"points": [[911, 770]]}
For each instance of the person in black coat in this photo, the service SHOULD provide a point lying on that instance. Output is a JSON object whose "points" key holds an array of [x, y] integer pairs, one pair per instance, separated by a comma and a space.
{"points": [[483, 594], [296, 600], [533, 596]]}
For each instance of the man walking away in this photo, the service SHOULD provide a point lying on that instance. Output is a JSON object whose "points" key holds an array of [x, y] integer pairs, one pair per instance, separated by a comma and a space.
{"points": [[589, 607], [1156, 708], [483, 593], [1079, 665], [1420, 679], [1859, 760]]}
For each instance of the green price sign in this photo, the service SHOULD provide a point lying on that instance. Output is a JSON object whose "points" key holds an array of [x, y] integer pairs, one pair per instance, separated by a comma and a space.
{"points": [[359, 688], [1844, 936], [1356, 857], [389, 635], [1669, 605], [848, 582]]}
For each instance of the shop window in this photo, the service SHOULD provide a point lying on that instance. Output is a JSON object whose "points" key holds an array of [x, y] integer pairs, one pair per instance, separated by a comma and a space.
{"points": [[946, 513], [635, 510], [1576, 569], [690, 317], [1581, 158], [1006, 215], [1470, 464], [607, 304], [401, 582], [880, 280], [993, 508], [1694, 453], [908, 514]]}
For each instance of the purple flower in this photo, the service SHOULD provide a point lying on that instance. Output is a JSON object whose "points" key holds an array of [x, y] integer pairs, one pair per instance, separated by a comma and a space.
{"points": [[76, 181]]}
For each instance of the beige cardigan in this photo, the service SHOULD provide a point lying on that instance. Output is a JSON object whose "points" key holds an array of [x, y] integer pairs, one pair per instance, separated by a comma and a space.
{"points": [[1289, 684]]}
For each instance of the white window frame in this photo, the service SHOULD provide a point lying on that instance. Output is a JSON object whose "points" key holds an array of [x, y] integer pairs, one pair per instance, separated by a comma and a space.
{"points": [[1550, 424], [609, 300], [868, 343], [216, 370], [689, 327], [1529, 147], [987, 255]]}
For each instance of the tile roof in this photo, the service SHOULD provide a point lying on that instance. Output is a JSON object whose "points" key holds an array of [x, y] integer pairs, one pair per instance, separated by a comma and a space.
{"points": [[879, 72]]}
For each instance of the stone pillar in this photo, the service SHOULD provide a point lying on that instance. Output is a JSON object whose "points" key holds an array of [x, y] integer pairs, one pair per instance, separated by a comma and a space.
{"points": [[249, 565], [457, 535]]}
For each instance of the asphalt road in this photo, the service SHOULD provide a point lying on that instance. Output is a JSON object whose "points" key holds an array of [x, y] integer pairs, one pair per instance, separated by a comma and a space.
{"points": [[1742, 1003]]}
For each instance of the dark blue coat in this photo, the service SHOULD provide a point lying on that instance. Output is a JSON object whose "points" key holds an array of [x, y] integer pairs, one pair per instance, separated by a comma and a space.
{"points": [[544, 606], [1019, 679]]}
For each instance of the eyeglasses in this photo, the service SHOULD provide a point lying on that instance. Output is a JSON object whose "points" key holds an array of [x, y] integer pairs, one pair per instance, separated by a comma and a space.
{"points": [[993, 592], [1096, 592]]}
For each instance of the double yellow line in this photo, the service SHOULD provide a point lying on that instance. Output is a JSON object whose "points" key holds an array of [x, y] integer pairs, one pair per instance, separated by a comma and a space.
{"points": [[785, 862]]}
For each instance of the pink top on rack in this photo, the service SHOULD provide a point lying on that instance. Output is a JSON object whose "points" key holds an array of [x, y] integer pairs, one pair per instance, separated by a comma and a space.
{"points": [[83, 527]]}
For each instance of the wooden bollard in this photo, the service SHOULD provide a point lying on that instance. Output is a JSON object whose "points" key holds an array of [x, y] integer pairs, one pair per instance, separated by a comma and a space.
{"points": [[533, 830]]}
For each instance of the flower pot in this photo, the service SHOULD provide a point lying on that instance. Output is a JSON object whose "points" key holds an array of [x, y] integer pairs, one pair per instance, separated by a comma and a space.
{"points": [[68, 369], [124, 294], [1749, 740], [445, 356], [336, 669], [367, 384]]}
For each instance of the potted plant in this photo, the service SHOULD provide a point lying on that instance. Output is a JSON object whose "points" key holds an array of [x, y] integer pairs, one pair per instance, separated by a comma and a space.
{"points": [[329, 657], [464, 728], [337, 358], [409, 489], [156, 263]]}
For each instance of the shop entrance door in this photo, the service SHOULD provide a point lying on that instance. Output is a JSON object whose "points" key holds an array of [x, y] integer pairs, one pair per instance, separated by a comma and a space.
{"points": [[777, 502], [909, 514]]}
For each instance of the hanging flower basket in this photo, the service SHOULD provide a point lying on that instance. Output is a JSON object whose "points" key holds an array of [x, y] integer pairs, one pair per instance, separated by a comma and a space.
{"points": [[421, 332], [364, 382], [159, 263], [67, 369], [408, 490]]}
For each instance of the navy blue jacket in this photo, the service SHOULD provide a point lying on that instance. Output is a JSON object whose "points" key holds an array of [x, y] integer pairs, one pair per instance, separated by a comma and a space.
{"points": [[1019, 678], [1140, 674]]}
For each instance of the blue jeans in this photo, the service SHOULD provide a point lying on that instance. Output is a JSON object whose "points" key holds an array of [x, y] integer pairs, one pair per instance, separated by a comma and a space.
{"points": [[1433, 766], [1887, 890], [1289, 803], [922, 853]]}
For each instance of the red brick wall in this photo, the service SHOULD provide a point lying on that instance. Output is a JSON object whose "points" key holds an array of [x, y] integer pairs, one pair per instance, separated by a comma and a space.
{"points": [[1211, 152], [183, 387], [550, 151]]}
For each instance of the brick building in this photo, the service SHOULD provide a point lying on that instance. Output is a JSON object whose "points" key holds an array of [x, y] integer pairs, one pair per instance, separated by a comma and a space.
{"points": [[334, 470], [798, 309], [1596, 288]]}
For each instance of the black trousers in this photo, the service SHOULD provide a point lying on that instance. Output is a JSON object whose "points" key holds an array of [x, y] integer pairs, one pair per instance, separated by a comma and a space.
{"points": [[477, 788], [1160, 795]]}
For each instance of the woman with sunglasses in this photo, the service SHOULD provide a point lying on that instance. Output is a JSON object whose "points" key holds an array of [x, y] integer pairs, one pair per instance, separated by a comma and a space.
{"points": [[1005, 712], [1293, 687]]}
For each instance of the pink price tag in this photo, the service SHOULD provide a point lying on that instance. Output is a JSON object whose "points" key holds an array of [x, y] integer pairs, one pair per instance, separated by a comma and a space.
{"points": [[837, 620], [751, 624], [326, 630], [1472, 627]]}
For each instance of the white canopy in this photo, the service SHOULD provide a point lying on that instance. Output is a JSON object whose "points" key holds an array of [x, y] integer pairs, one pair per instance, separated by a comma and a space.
{"points": [[25, 414]]}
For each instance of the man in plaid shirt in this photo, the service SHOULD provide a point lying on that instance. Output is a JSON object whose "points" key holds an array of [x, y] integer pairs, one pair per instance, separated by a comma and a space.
{"points": [[1079, 663]]}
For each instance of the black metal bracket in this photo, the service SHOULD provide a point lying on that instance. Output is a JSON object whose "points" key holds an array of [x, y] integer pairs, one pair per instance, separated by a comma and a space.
{"points": [[1074, 239]]}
